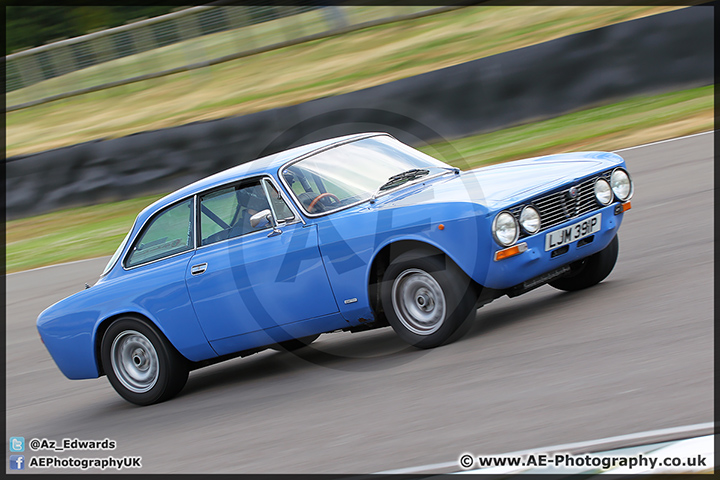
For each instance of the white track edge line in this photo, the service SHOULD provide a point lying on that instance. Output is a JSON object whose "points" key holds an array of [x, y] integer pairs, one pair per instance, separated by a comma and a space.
{"points": [[57, 265], [614, 151], [664, 141], [589, 443]]}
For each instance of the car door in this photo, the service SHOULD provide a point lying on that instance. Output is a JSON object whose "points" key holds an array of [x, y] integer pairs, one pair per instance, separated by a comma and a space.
{"points": [[253, 285]]}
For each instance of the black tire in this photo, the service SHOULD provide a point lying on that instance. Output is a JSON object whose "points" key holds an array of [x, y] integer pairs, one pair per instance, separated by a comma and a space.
{"points": [[294, 344], [427, 299], [589, 271], [141, 365]]}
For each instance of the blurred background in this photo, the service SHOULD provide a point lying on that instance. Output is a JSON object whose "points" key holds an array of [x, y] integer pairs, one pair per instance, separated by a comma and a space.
{"points": [[79, 74], [83, 49]]}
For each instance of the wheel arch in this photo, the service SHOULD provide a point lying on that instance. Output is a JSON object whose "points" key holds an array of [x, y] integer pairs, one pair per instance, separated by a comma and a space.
{"points": [[391, 250], [105, 324]]}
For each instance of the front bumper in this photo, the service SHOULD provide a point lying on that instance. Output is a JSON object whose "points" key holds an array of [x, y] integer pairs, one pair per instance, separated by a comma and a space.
{"points": [[535, 261]]}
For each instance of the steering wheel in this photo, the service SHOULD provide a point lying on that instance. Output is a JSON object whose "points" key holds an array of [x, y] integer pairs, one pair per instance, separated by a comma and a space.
{"points": [[322, 195]]}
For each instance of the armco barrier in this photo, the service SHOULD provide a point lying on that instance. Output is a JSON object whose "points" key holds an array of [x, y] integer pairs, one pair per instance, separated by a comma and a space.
{"points": [[655, 54]]}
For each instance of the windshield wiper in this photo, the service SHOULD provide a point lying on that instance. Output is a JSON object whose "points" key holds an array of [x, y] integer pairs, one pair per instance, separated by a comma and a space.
{"points": [[403, 177], [399, 179]]}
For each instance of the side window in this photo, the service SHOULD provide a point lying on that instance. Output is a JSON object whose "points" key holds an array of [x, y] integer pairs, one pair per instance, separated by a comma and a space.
{"points": [[226, 213], [281, 209], [217, 211], [170, 232]]}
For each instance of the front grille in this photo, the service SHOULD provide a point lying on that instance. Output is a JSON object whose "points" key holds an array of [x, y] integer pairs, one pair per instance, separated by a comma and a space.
{"points": [[559, 207]]}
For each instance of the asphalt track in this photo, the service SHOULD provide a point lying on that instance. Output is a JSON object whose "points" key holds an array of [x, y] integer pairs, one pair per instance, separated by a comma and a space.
{"points": [[634, 353]]}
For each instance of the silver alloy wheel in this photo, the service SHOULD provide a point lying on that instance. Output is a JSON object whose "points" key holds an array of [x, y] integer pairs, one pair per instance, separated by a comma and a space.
{"points": [[134, 361], [418, 301]]}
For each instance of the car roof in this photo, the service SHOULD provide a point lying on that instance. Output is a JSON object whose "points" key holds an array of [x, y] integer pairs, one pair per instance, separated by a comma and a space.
{"points": [[264, 165]]}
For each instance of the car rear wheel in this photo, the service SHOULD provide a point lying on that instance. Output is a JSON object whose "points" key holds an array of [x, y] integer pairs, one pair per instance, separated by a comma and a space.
{"points": [[427, 299], [140, 364], [591, 270]]}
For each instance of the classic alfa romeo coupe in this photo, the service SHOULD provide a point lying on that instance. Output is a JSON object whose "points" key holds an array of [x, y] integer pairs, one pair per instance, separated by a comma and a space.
{"points": [[346, 234]]}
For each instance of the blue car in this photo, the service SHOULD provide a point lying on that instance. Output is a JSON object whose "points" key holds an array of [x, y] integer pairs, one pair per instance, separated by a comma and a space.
{"points": [[346, 234]]}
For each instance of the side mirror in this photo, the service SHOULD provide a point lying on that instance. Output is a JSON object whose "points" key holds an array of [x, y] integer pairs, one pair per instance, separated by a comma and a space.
{"points": [[260, 217]]}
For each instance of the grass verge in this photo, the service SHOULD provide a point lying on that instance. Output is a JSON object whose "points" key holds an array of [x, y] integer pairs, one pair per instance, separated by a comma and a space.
{"points": [[610, 127], [88, 232], [299, 73]]}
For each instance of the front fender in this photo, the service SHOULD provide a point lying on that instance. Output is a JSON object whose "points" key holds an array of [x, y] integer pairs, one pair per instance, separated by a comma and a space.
{"points": [[462, 240], [350, 242]]}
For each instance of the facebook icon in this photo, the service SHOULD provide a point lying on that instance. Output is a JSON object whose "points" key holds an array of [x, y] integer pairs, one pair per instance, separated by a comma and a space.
{"points": [[17, 462]]}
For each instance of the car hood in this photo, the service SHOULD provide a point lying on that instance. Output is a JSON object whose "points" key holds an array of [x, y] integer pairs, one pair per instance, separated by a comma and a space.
{"points": [[501, 185]]}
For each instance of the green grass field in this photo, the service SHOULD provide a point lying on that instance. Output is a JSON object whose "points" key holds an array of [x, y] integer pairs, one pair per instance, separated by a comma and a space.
{"points": [[93, 231], [291, 75]]}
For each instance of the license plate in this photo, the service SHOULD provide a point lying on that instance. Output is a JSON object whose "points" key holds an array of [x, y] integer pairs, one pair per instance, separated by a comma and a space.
{"points": [[576, 231]]}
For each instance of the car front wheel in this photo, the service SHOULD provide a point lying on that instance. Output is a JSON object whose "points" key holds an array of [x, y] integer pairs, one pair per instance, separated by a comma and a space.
{"points": [[589, 271], [427, 299], [140, 364]]}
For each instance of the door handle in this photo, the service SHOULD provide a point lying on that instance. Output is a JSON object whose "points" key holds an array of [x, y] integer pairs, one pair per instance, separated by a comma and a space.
{"points": [[198, 269]]}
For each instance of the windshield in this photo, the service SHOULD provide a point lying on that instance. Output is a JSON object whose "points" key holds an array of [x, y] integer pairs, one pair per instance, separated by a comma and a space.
{"points": [[115, 256], [354, 172]]}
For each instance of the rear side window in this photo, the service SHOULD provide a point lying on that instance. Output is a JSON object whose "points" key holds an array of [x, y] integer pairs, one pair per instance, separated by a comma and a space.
{"points": [[169, 233]]}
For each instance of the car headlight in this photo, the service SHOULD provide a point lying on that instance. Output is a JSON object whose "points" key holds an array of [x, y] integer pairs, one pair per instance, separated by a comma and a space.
{"points": [[505, 229], [621, 184], [530, 220], [603, 192]]}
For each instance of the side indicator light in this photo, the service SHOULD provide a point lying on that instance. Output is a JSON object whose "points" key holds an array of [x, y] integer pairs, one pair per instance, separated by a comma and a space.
{"points": [[441, 227], [511, 251], [623, 207]]}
